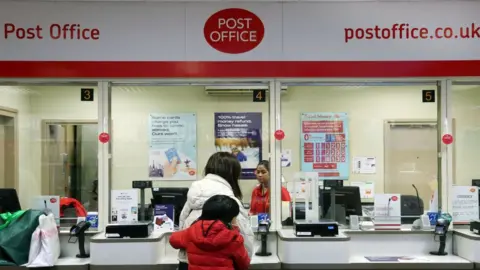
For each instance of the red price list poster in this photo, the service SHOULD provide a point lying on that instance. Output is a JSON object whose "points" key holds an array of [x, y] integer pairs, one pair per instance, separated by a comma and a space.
{"points": [[324, 145]]}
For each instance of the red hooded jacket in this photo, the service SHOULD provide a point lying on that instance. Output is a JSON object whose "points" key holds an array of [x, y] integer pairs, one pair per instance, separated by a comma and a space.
{"points": [[210, 245]]}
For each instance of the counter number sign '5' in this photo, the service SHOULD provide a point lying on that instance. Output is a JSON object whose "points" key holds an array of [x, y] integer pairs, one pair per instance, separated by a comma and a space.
{"points": [[234, 31]]}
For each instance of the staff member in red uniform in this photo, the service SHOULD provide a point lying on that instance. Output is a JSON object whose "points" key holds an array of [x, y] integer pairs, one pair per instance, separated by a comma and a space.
{"points": [[260, 202]]}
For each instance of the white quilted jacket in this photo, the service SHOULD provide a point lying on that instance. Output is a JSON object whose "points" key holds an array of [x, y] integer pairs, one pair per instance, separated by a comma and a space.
{"points": [[201, 191]]}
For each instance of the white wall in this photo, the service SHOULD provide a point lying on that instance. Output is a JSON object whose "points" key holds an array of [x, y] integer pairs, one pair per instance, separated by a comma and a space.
{"points": [[17, 98], [53, 104], [367, 107], [35, 104], [131, 107]]}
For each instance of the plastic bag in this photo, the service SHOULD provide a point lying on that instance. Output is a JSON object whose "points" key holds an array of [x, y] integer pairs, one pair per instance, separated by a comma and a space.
{"points": [[45, 244], [16, 237]]}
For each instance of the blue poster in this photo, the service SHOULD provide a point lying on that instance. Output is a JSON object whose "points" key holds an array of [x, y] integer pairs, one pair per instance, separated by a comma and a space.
{"points": [[173, 149], [324, 145], [240, 134]]}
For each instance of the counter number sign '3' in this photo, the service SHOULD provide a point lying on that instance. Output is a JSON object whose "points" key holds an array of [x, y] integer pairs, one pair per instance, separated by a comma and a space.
{"points": [[234, 31]]}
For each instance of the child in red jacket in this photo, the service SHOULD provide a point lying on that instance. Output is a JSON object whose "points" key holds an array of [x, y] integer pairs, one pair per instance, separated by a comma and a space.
{"points": [[214, 241]]}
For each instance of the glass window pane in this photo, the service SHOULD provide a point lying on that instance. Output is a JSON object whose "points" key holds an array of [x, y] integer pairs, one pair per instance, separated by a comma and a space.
{"points": [[466, 131], [466, 151], [53, 130], [167, 134], [381, 139]]}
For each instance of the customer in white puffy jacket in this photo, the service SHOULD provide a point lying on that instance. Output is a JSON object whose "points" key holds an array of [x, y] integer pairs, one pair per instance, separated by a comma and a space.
{"points": [[222, 173]]}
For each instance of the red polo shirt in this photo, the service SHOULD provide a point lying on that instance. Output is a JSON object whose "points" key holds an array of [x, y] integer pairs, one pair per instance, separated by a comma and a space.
{"points": [[260, 203]]}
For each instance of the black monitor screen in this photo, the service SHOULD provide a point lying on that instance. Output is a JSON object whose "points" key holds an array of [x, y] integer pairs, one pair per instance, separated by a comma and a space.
{"points": [[348, 196], [9, 202]]}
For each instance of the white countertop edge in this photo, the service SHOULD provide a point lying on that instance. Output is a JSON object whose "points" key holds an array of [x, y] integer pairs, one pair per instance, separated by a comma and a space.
{"points": [[72, 261], [420, 259], [273, 259]]}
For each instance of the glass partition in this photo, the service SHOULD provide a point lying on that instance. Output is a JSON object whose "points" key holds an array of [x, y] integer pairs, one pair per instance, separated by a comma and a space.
{"points": [[166, 134], [465, 104], [379, 141], [49, 148]]}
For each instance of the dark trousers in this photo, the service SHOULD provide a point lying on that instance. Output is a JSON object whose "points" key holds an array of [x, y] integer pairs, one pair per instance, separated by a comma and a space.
{"points": [[182, 266]]}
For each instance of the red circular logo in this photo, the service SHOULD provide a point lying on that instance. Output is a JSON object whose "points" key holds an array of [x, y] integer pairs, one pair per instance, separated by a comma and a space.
{"points": [[53, 200], [234, 31], [447, 139], [104, 137], [192, 173], [394, 198]]}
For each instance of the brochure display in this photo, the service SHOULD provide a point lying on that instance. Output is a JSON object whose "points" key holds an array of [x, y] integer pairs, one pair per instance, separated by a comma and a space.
{"points": [[173, 150], [387, 211], [240, 134], [324, 145], [50, 204], [164, 217], [124, 205], [465, 204]]}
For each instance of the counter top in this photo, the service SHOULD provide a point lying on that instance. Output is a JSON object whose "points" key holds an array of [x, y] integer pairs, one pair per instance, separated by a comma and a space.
{"points": [[72, 261], [156, 236], [288, 235], [66, 231], [467, 234], [410, 262], [273, 259], [413, 262], [373, 231]]}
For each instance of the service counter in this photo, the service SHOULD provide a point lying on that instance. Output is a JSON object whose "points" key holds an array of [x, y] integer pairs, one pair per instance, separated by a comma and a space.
{"points": [[350, 249], [155, 252], [346, 251], [467, 245], [69, 251]]}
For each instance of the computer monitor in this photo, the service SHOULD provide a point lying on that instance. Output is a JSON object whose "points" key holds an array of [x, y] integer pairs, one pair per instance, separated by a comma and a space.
{"points": [[9, 200], [346, 196], [174, 196]]}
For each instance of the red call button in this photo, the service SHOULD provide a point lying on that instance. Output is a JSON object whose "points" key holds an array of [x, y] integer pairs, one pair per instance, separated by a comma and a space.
{"points": [[234, 31]]}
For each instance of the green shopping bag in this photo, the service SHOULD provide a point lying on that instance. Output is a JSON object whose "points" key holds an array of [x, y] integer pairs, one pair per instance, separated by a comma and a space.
{"points": [[16, 235], [7, 218]]}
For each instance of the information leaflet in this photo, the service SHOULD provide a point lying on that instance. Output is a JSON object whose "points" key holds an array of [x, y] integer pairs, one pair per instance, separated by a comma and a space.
{"points": [[324, 145]]}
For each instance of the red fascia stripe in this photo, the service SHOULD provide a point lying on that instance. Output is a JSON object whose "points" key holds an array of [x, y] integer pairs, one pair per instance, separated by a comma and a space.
{"points": [[243, 69]]}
